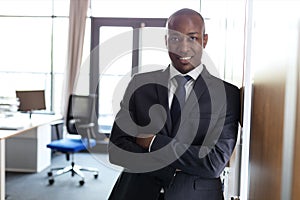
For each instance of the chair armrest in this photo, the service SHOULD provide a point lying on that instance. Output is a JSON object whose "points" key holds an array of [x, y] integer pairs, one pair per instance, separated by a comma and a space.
{"points": [[90, 125], [73, 121], [56, 125]]}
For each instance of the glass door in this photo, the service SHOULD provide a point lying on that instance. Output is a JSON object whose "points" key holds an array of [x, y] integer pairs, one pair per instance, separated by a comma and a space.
{"points": [[121, 47]]}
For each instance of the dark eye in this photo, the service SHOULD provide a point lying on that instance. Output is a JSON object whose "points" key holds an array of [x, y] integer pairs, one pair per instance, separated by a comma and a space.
{"points": [[174, 38], [192, 38]]}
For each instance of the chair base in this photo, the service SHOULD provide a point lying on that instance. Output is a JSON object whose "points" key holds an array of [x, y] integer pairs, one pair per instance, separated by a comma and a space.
{"points": [[74, 169]]}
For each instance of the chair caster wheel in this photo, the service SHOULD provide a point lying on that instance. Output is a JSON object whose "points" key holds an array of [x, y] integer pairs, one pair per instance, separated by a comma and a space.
{"points": [[81, 182], [51, 181], [50, 174], [95, 176]]}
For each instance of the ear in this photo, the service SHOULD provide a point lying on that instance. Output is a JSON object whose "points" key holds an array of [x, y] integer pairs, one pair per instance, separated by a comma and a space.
{"points": [[205, 39]]}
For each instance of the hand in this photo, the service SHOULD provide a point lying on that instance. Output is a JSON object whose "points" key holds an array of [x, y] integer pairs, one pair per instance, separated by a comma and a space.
{"points": [[144, 140]]}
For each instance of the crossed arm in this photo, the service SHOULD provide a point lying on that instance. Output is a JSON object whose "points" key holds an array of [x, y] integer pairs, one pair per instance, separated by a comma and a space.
{"points": [[206, 159]]}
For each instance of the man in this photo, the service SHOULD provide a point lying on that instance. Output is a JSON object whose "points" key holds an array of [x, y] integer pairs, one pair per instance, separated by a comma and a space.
{"points": [[176, 128]]}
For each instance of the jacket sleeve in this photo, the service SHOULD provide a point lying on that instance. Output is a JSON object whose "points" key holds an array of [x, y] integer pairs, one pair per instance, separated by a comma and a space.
{"points": [[124, 130], [124, 151]]}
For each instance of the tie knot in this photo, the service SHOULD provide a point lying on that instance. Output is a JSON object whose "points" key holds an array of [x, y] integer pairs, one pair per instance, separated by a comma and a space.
{"points": [[182, 80]]}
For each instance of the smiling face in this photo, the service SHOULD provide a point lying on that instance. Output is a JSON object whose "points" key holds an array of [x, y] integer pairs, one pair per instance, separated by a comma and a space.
{"points": [[186, 40]]}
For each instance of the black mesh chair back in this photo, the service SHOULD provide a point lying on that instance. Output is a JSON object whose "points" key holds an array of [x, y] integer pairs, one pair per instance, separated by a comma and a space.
{"points": [[79, 112]]}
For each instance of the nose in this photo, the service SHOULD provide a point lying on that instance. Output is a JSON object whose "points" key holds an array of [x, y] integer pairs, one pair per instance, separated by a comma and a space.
{"points": [[184, 46]]}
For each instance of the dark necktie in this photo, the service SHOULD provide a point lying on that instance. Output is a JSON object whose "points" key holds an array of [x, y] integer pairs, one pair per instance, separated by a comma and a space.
{"points": [[178, 100]]}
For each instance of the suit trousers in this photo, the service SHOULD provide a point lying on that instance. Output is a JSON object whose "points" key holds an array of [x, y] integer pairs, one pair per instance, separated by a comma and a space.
{"points": [[134, 186], [189, 187]]}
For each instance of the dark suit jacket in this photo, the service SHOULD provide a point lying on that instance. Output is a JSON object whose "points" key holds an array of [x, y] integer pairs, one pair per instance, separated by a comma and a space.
{"points": [[199, 147]]}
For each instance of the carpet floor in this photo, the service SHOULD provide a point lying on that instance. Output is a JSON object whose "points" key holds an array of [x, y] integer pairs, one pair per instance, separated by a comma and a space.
{"points": [[35, 186]]}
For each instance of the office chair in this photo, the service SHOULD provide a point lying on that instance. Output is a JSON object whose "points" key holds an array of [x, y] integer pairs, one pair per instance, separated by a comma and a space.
{"points": [[78, 122]]}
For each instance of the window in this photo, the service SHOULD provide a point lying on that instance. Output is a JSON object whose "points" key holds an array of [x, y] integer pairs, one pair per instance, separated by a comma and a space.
{"points": [[112, 71], [33, 47], [34, 37], [225, 21]]}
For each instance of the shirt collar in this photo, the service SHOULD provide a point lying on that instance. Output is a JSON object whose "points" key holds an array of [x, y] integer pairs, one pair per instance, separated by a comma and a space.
{"points": [[193, 73]]}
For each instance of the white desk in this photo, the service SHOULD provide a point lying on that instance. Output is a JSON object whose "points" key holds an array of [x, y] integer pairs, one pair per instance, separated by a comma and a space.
{"points": [[36, 131]]}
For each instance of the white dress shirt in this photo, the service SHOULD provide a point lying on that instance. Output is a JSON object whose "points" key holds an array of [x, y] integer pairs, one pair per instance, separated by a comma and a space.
{"points": [[172, 83]]}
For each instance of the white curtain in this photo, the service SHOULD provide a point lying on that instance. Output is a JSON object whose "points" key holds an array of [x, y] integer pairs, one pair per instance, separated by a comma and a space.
{"points": [[77, 21]]}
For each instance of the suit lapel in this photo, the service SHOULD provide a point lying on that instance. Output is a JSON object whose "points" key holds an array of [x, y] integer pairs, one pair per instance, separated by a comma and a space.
{"points": [[162, 93], [201, 85]]}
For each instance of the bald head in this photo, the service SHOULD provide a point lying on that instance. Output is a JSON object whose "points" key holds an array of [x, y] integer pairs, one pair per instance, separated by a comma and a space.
{"points": [[185, 12]]}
